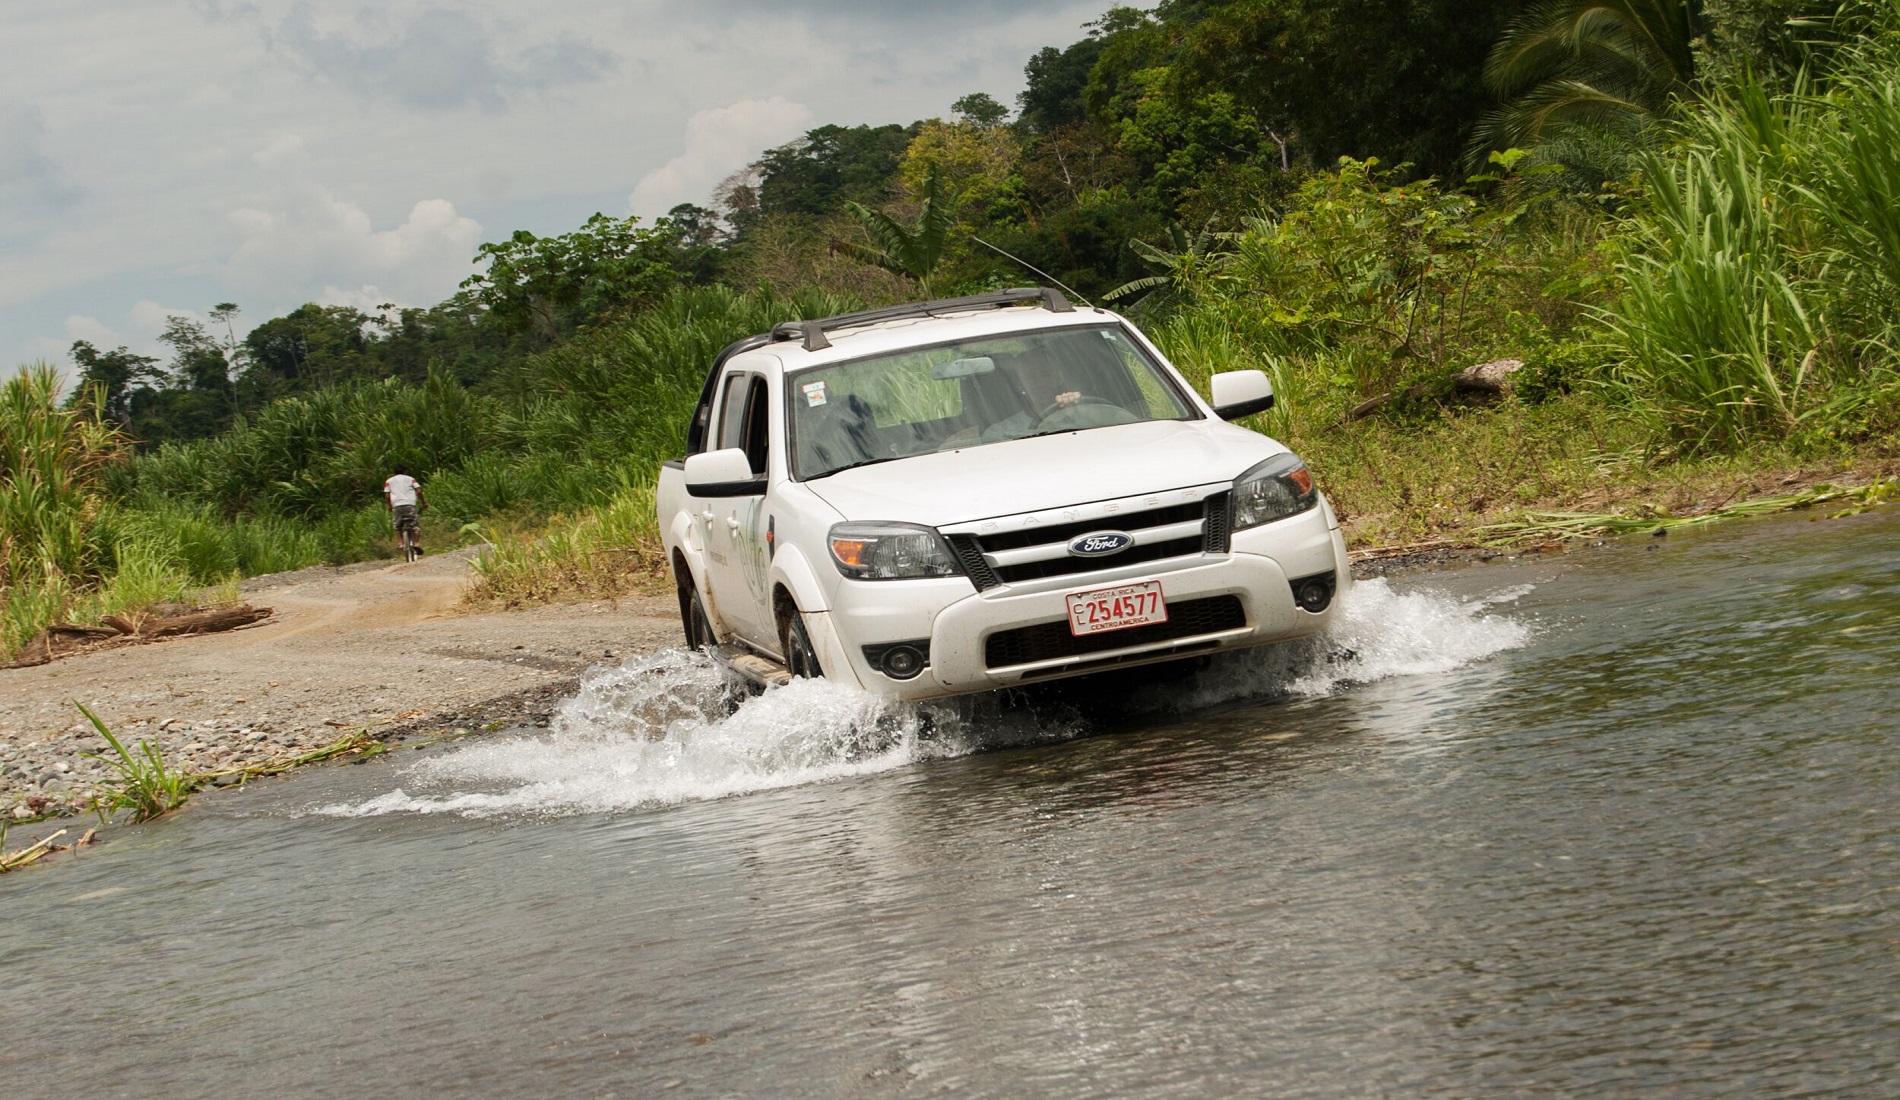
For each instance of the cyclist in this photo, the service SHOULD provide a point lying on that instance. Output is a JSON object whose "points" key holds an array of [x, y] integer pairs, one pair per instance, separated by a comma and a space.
{"points": [[404, 497]]}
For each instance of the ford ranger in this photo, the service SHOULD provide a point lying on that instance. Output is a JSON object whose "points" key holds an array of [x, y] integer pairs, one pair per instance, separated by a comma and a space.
{"points": [[973, 493]]}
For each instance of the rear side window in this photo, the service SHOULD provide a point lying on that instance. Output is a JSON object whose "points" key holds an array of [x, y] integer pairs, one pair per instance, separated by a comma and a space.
{"points": [[732, 412], [755, 436]]}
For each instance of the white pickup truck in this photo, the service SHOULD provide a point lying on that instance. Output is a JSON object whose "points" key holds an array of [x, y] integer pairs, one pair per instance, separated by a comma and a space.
{"points": [[969, 494]]}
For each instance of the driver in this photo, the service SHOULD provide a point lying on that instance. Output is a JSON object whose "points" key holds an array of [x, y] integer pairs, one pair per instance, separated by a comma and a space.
{"points": [[1043, 390]]}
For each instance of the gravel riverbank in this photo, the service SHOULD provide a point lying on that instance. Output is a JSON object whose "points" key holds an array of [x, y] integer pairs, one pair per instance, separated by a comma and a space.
{"points": [[383, 648]]}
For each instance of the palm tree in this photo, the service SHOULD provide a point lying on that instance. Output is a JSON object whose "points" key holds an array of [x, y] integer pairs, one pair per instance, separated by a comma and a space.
{"points": [[1608, 64], [905, 250], [1194, 260]]}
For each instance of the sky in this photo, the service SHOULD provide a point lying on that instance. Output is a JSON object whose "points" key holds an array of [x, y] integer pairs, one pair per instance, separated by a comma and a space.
{"points": [[158, 157]]}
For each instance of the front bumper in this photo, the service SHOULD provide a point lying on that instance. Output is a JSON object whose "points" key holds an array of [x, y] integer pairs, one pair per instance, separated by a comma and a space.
{"points": [[1201, 591]]}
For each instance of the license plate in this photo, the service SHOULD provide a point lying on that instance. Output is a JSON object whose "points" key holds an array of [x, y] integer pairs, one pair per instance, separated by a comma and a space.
{"points": [[1116, 608]]}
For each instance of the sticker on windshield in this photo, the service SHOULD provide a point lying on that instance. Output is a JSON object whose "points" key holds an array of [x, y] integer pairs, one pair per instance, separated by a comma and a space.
{"points": [[814, 393]]}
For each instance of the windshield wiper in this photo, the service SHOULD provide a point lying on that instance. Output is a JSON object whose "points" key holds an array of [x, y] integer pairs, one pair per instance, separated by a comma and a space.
{"points": [[855, 465]]}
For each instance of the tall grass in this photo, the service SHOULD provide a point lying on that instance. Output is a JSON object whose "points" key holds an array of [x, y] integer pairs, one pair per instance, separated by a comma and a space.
{"points": [[1759, 293], [51, 463], [594, 420], [55, 544], [329, 451]]}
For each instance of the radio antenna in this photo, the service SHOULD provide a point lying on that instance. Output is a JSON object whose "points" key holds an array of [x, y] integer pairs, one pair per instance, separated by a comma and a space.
{"points": [[1035, 269]]}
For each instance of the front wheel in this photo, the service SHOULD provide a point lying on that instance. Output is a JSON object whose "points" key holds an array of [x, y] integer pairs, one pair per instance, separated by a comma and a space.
{"points": [[801, 657], [694, 620]]}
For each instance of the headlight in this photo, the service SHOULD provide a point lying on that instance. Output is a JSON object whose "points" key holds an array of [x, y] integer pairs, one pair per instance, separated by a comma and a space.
{"points": [[1275, 489], [882, 551]]}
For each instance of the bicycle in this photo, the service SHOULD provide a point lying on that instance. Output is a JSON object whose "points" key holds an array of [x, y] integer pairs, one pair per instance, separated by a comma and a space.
{"points": [[409, 533]]}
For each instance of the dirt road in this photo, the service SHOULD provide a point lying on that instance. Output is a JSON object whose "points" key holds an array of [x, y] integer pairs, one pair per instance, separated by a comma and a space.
{"points": [[377, 646]]}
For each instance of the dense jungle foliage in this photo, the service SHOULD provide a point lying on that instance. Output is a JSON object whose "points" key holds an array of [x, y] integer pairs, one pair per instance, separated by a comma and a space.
{"points": [[1683, 217]]}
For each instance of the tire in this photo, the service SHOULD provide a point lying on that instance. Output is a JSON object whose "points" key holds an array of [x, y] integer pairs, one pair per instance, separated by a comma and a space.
{"points": [[694, 621], [801, 657]]}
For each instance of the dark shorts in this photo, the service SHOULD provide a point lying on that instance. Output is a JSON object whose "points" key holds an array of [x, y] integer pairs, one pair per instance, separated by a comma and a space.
{"points": [[406, 517]]}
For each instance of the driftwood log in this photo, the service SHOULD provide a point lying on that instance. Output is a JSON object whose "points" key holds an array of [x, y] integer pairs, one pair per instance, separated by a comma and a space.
{"points": [[65, 639]]}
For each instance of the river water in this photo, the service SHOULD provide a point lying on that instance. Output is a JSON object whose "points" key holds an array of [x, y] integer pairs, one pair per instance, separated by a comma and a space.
{"points": [[1613, 823]]}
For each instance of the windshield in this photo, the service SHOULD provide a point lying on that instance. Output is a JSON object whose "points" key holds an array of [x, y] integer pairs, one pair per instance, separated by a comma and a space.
{"points": [[972, 394]]}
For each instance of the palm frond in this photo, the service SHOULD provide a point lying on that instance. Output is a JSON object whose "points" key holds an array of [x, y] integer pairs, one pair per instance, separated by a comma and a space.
{"points": [[914, 251]]}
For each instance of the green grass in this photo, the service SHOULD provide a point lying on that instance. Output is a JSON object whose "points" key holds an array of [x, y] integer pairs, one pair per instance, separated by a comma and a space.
{"points": [[600, 553]]}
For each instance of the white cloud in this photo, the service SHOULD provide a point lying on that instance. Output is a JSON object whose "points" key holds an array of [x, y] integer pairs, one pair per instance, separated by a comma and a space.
{"points": [[281, 147], [130, 132], [315, 239], [149, 319], [32, 186], [441, 60], [211, 95], [718, 142], [90, 329], [369, 298]]}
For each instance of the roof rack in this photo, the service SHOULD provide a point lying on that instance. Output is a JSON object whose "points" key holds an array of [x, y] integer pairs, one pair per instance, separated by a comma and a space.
{"points": [[813, 332]]}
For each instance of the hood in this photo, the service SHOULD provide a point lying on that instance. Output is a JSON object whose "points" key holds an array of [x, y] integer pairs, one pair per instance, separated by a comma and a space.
{"points": [[1029, 475]]}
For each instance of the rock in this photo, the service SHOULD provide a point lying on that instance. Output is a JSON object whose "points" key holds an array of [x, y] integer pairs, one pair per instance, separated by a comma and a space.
{"points": [[1491, 377]]}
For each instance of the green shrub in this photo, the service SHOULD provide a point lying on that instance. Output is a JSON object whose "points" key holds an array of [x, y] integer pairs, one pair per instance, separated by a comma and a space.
{"points": [[360, 535]]}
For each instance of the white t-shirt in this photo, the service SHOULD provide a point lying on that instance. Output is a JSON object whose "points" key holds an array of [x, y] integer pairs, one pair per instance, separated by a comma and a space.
{"points": [[401, 489]]}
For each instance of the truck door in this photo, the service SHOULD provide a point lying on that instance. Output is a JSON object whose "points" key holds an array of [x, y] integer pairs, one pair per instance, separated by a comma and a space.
{"points": [[734, 528]]}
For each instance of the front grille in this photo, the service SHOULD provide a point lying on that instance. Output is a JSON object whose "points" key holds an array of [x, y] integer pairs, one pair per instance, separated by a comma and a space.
{"points": [[970, 549], [970, 556], [1062, 532], [1063, 566], [1217, 537], [1050, 641]]}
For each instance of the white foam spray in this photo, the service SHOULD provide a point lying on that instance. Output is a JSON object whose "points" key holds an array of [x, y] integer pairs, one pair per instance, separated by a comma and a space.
{"points": [[660, 730]]}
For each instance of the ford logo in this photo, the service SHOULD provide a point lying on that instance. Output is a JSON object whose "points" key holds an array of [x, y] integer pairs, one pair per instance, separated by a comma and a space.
{"points": [[1097, 544]]}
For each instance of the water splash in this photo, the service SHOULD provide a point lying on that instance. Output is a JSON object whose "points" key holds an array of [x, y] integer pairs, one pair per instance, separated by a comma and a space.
{"points": [[657, 731], [660, 730], [1380, 634]]}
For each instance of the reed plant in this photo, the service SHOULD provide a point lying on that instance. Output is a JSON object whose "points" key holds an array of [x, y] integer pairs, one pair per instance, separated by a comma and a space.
{"points": [[144, 784]]}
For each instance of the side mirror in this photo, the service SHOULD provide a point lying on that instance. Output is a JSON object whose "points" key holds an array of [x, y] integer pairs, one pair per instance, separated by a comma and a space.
{"points": [[725, 473], [1238, 393]]}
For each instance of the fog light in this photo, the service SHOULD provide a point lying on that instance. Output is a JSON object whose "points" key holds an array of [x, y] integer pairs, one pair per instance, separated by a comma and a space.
{"points": [[901, 662], [1314, 593]]}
